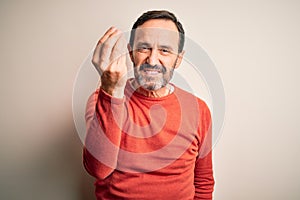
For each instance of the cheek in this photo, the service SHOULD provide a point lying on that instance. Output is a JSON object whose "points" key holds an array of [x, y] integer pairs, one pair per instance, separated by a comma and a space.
{"points": [[169, 62], [139, 58]]}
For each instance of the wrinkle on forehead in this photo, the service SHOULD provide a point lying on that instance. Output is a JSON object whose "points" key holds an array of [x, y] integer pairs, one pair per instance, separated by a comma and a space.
{"points": [[157, 37]]}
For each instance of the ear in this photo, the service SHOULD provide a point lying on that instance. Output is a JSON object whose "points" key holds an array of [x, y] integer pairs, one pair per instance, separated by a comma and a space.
{"points": [[179, 59], [130, 51]]}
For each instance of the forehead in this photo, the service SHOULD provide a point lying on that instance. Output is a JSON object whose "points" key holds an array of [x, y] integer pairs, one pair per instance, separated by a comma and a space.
{"points": [[159, 23], [157, 31]]}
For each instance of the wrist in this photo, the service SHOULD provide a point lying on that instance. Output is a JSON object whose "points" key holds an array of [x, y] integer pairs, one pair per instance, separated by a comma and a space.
{"points": [[117, 92]]}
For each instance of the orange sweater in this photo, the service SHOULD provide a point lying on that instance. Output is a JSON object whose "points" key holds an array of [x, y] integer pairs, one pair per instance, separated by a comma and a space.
{"points": [[149, 148]]}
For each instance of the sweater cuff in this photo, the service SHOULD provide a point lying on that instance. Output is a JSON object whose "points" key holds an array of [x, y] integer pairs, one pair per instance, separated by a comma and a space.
{"points": [[105, 96]]}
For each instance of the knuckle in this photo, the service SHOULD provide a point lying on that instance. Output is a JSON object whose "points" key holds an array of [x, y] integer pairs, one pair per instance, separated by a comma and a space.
{"points": [[95, 62], [95, 59], [113, 72]]}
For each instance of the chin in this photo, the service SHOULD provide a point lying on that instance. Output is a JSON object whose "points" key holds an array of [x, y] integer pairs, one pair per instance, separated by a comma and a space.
{"points": [[152, 87]]}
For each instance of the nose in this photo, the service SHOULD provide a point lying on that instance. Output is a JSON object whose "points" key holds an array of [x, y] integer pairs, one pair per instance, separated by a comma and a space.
{"points": [[152, 58]]}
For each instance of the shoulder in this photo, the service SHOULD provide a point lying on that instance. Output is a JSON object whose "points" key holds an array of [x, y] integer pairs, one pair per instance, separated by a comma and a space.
{"points": [[191, 97]]}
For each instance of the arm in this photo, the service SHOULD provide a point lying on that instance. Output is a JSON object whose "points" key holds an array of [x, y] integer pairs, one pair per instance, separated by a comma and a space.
{"points": [[203, 173], [103, 134], [204, 180], [105, 107]]}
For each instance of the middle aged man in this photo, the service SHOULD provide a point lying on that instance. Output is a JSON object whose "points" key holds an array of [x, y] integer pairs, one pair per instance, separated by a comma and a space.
{"points": [[147, 138]]}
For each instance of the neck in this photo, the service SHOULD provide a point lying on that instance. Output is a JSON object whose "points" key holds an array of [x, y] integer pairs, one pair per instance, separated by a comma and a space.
{"points": [[164, 91]]}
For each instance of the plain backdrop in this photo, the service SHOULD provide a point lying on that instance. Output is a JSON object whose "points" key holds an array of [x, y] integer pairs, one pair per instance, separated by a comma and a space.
{"points": [[255, 46]]}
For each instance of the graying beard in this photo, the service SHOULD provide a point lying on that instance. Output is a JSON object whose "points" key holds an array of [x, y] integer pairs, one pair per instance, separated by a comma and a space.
{"points": [[141, 82], [155, 86]]}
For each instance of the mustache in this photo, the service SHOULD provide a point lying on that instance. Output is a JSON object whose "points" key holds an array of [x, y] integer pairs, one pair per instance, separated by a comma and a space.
{"points": [[153, 67]]}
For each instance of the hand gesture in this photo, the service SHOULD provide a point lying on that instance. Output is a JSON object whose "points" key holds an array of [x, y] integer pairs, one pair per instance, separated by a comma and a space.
{"points": [[109, 59]]}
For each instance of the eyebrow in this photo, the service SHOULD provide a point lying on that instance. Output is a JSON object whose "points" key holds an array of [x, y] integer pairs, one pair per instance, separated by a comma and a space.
{"points": [[139, 44], [143, 44], [166, 47]]}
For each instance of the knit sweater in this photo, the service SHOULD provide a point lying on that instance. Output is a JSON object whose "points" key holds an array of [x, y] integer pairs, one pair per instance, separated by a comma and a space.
{"points": [[148, 148]]}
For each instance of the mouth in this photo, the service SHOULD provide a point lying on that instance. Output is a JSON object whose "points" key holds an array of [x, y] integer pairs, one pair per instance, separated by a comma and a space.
{"points": [[152, 71]]}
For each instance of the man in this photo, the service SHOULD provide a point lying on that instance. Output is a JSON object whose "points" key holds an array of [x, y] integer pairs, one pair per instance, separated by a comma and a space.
{"points": [[147, 138]]}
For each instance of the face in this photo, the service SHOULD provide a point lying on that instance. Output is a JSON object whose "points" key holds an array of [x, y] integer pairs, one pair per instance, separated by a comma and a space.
{"points": [[155, 53]]}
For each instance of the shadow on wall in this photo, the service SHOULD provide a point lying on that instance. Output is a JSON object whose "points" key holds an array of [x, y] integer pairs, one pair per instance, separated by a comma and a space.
{"points": [[54, 172]]}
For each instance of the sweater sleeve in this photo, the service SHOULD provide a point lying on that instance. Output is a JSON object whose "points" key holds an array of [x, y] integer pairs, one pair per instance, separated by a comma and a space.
{"points": [[203, 173], [103, 134], [204, 180]]}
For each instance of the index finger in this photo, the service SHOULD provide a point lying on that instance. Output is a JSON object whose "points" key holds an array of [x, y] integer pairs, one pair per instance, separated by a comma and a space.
{"points": [[107, 34], [96, 56]]}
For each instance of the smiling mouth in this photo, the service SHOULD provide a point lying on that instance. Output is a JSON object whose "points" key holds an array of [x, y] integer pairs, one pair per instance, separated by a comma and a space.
{"points": [[151, 71]]}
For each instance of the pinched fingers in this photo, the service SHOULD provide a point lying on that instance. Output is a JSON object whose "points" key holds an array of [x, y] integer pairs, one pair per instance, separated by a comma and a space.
{"points": [[109, 58], [97, 51], [103, 50], [107, 34], [107, 50]]}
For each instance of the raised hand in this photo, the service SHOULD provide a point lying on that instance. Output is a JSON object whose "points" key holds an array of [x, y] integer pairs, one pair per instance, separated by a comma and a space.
{"points": [[109, 59]]}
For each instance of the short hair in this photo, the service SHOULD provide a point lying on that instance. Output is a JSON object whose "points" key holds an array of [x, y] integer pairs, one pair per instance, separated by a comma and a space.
{"points": [[158, 14]]}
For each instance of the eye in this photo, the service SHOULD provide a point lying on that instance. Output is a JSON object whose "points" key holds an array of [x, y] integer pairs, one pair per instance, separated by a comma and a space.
{"points": [[143, 49], [165, 51]]}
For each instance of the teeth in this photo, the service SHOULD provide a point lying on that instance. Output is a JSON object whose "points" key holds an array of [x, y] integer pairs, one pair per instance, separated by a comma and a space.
{"points": [[151, 72]]}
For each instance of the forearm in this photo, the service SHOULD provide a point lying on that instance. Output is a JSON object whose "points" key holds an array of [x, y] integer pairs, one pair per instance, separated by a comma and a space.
{"points": [[103, 119], [204, 179]]}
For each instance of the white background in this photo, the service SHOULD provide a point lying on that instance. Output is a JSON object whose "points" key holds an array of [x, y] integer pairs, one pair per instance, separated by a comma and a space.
{"points": [[254, 44]]}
